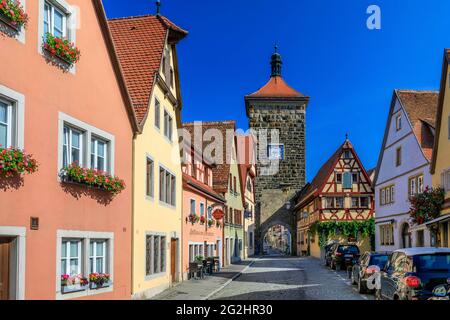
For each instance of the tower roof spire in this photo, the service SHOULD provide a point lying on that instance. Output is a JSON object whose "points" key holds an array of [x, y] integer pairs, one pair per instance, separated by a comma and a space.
{"points": [[276, 63], [158, 7]]}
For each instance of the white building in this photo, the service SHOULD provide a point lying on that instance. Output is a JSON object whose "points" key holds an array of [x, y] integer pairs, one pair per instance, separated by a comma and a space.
{"points": [[403, 168]]}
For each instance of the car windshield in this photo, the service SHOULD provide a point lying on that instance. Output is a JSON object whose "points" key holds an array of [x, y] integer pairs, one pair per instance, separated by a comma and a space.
{"points": [[432, 262], [379, 260], [348, 249]]}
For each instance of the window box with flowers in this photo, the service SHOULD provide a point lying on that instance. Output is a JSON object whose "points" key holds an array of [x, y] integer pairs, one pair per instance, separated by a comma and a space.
{"points": [[202, 220], [92, 178], [13, 14], [71, 284], [193, 218], [61, 49], [210, 223], [99, 280], [15, 162]]}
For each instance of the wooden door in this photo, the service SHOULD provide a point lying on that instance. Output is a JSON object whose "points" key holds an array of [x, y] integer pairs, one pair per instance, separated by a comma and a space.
{"points": [[5, 253], [173, 259]]}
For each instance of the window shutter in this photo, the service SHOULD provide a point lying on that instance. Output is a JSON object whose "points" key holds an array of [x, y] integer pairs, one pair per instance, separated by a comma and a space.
{"points": [[347, 180]]}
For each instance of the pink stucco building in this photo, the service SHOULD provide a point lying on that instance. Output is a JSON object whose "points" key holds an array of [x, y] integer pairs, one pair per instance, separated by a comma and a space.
{"points": [[202, 210], [62, 114]]}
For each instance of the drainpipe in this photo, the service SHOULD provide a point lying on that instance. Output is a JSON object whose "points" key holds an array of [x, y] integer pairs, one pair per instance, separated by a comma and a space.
{"points": [[132, 212]]}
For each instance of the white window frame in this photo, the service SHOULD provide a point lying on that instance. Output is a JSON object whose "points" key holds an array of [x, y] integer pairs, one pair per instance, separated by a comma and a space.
{"points": [[68, 143], [89, 132], [94, 256], [86, 237], [67, 242], [164, 199], [16, 106], [398, 122], [445, 179], [150, 196], [202, 212], [10, 122], [157, 123], [168, 126], [94, 153], [161, 271], [55, 7], [192, 202]]}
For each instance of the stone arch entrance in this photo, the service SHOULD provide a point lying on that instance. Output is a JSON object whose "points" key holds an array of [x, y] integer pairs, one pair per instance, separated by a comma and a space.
{"points": [[277, 238]]}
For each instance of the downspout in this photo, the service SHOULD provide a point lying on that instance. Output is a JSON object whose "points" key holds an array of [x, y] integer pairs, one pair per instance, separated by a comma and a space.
{"points": [[132, 212]]}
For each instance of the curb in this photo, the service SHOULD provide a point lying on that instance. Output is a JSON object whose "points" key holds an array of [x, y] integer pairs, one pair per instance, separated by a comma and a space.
{"points": [[230, 280]]}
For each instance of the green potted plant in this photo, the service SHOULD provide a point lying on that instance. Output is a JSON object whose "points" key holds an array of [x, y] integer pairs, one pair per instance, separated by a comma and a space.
{"points": [[99, 280], [427, 205], [62, 49], [13, 14], [16, 162], [70, 284]]}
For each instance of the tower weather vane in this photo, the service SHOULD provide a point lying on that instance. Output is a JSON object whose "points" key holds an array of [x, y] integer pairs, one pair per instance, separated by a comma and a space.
{"points": [[158, 7]]}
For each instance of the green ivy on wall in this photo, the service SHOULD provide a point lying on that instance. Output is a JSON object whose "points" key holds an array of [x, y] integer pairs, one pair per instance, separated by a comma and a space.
{"points": [[325, 230]]}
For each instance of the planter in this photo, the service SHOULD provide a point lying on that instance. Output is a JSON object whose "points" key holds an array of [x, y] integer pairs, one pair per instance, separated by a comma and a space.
{"points": [[73, 288], [61, 60], [68, 180], [9, 23], [95, 286]]}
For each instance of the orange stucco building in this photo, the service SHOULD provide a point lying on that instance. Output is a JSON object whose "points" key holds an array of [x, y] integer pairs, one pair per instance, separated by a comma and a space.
{"points": [[203, 210], [63, 114]]}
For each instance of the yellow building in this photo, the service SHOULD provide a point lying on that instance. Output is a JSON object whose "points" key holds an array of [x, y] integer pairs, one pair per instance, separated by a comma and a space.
{"points": [[440, 165], [146, 47]]}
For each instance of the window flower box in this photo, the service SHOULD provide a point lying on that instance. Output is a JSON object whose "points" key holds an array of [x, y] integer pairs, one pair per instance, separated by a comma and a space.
{"points": [[193, 218], [61, 49], [202, 220], [73, 284], [99, 281], [13, 14], [210, 223], [92, 178], [16, 162]]}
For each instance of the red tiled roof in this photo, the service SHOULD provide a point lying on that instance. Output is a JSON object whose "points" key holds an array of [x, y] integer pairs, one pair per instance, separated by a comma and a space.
{"points": [[421, 108], [221, 171], [139, 43], [202, 187], [274, 88]]}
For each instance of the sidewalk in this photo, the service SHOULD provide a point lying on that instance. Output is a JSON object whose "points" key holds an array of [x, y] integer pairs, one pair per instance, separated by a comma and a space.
{"points": [[203, 289]]}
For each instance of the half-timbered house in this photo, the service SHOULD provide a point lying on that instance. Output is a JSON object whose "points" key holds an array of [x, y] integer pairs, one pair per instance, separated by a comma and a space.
{"points": [[341, 191]]}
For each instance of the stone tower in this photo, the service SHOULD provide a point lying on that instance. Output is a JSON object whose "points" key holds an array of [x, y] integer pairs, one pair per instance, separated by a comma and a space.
{"points": [[276, 115]]}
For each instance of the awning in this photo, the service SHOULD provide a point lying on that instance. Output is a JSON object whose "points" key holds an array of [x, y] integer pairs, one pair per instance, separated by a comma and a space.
{"points": [[418, 227], [439, 219]]}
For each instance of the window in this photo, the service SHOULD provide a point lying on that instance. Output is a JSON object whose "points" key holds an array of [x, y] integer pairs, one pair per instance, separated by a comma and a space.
{"points": [[210, 213], [55, 20], [338, 178], [348, 184], [149, 188], [249, 185], [192, 210], [275, 152], [84, 145], [72, 146], [157, 114], [155, 251], [71, 257], [360, 202], [250, 239], [168, 130], [398, 157], [334, 202], [171, 78], [415, 185], [7, 124], [398, 122], [387, 195], [97, 256], [445, 180], [231, 182], [202, 209], [387, 235], [347, 154], [167, 187], [235, 184], [99, 154], [355, 177]]}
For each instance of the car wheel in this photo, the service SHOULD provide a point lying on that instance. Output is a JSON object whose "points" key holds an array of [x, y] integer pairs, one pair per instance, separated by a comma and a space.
{"points": [[361, 287]]}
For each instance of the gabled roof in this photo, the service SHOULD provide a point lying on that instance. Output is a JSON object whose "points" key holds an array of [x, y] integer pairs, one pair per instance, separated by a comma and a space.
{"points": [[276, 87], [221, 171], [440, 109], [139, 43], [246, 159], [420, 108]]}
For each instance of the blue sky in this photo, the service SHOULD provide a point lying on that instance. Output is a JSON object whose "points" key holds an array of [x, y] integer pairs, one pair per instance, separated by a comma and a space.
{"points": [[328, 52]]}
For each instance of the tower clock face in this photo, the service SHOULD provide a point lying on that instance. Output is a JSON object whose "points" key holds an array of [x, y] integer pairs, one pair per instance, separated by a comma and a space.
{"points": [[276, 152]]}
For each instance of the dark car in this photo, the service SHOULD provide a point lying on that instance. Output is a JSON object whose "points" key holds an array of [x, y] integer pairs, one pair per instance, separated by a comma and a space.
{"points": [[417, 274], [363, 268], [342, 255]]}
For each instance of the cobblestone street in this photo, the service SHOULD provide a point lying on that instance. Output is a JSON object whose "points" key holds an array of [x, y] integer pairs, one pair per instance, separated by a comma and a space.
{"points": [[286, 278]]}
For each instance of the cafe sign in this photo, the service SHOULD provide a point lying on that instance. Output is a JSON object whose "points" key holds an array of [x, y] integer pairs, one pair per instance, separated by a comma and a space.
{"points": [[218, 211]]}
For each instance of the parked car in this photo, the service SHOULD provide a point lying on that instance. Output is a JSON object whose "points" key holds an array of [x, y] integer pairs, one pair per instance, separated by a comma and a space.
{"points": [[342, 255], [364, 268], [417, 274]]}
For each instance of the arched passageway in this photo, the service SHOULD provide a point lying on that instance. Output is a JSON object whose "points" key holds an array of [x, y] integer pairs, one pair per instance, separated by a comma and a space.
{"points": [[277, 240]]}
